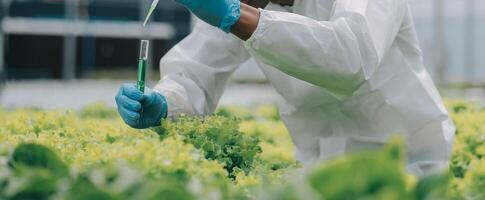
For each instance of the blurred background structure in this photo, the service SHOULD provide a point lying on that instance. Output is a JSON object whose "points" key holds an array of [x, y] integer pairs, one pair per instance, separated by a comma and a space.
{"points": [[79, 39], [69, 53]]}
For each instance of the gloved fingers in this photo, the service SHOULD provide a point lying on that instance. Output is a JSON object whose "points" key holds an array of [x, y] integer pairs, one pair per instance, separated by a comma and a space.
{"points": [[130, 104], [147, 99], [132, 92], [150, 97], [118, 96], [131, 118], [124, 101]]}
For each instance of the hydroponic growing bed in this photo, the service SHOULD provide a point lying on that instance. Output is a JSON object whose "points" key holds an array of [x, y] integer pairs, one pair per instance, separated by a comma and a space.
{"points": [[91, 154]]}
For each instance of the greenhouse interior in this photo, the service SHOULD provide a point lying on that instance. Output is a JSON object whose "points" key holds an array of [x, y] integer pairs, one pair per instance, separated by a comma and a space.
{"points": [[242, 99]]}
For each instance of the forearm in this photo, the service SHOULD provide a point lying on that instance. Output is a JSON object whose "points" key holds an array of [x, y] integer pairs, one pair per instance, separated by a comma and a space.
{"points": [[276, 53], [247, 23], [338, 54]]}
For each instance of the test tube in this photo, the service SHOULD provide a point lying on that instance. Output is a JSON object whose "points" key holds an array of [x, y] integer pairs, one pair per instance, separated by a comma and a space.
{"points": [[142, 62]]}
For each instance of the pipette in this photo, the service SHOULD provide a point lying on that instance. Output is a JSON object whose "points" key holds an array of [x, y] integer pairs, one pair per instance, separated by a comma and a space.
{"points": [[150, 11], [142, 63]]}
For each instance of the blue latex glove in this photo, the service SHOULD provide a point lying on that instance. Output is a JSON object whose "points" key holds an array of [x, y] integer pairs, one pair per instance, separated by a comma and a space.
{"points": [[141, 110], [220, 13]]}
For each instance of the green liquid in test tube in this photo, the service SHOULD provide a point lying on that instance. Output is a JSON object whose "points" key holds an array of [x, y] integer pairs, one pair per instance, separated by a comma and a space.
{"points": [[142, 63]]}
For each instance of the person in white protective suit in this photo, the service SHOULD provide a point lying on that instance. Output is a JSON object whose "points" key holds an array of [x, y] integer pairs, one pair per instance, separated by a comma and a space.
{"points": [[350, 74]]}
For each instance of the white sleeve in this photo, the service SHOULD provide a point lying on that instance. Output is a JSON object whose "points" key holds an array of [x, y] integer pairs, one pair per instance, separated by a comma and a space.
{"points": [[194, 73], [339, 54]]}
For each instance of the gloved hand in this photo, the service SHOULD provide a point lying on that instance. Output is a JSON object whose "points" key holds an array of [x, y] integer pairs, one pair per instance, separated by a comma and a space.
{"points": [[141, 110], [220, 13]]}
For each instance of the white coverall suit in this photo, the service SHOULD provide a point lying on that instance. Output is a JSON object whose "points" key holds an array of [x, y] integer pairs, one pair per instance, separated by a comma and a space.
{"points": [[350, 74]]}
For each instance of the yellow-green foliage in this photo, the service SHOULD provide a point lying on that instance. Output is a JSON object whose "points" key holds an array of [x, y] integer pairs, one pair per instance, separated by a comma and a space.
{"points": [[213, 157], [93, 142], [363, 176], [211, 150], [467, 162], [219, 139]]}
